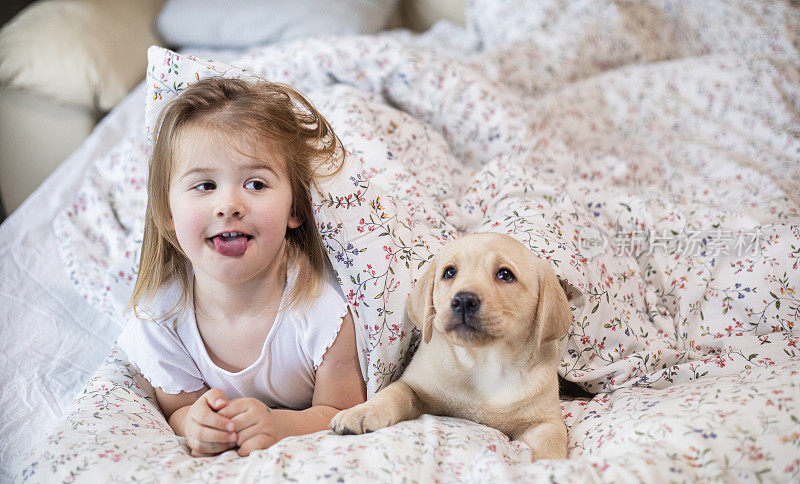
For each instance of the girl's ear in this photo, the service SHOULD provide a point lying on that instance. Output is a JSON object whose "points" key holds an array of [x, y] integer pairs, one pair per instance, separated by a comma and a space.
{"points": [[294, 222]]}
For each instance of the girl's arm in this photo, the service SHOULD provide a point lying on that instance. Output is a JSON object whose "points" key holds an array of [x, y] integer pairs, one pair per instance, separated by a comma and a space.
{"points": [[339, 385]]}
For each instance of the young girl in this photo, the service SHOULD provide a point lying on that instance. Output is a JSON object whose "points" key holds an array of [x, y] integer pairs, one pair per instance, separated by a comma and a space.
{"points": [[238, 326]]}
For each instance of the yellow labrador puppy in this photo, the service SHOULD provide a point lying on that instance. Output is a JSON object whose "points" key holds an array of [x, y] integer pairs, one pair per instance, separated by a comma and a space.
{"points": [[490, 312]]}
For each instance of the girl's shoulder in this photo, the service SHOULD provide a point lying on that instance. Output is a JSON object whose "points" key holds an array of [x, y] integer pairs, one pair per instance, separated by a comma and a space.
{"points": [[167, 308], [329, 304], [329, 290], [158, 342], [161, 323], [317, 323]]}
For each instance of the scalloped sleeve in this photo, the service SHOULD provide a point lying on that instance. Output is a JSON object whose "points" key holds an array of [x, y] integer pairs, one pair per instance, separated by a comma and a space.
{"points": [[157, 350], [323, 321]]}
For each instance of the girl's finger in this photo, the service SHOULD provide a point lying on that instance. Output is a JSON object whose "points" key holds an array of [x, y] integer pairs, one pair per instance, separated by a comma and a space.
{"points": [[257, 442], [208, 449], [233, 408], [208, 434], [215, 398], [195, 453], [250, 421], [247, 432], [213, 420]]}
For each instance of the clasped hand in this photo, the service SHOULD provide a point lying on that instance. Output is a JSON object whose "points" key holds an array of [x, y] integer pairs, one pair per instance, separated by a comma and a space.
{"points": [[215, 424]]}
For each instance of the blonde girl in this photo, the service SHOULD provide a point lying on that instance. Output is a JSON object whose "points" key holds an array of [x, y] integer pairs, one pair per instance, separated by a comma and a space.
{"points": [[238, 325]]}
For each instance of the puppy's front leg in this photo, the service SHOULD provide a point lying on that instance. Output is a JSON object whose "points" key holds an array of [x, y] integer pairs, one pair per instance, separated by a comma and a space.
{"points": [[547, 440], [393, 404]]}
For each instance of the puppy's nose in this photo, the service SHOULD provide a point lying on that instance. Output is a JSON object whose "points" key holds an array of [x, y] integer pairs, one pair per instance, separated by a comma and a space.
{"points": [[465, 303]]}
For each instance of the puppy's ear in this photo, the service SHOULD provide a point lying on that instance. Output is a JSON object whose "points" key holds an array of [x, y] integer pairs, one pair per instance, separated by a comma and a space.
{"points": [[420, 302], [553, 316]]}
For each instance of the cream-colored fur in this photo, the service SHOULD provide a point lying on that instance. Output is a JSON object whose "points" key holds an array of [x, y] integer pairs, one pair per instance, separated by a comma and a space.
{"points": [[489, 346]]}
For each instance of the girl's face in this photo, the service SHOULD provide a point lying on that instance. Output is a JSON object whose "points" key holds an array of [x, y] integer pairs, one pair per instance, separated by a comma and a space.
{"points": [[230, 212]]}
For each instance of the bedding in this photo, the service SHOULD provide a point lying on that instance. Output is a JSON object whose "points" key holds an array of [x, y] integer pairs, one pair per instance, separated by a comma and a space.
{"points": [[649, 150]]}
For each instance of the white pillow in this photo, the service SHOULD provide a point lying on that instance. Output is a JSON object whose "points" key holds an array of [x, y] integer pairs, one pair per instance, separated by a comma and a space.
{"points": [[89, 53], [245, 23]]}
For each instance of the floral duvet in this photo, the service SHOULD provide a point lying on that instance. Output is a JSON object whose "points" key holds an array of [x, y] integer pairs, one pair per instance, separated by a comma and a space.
{"points": [[649, 150]]}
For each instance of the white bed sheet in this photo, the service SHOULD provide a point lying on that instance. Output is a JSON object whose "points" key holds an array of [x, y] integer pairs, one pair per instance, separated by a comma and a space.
{"points": [[52, 339]]}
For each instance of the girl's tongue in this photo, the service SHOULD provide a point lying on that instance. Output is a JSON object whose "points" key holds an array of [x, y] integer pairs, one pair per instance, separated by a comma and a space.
{"points": [[232, 246]]}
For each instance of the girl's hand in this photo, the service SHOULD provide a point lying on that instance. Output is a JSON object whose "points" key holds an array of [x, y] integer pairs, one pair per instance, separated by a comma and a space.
{"points": [[256, 426], [207, 432]]}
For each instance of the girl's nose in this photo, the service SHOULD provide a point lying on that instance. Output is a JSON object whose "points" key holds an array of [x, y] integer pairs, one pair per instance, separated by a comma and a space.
{"points": [[230, 208], [230, 211]]}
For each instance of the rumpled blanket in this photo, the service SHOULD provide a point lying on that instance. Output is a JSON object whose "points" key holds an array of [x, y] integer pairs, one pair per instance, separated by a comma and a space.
{"points": [[649, 150]]}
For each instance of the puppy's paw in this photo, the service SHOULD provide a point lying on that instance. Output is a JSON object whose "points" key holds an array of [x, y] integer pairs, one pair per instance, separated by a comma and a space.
{"points": [[359, 419]]}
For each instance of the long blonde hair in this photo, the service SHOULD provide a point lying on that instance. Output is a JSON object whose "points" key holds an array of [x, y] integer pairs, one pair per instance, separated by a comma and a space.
{"points": [[263, 115]]}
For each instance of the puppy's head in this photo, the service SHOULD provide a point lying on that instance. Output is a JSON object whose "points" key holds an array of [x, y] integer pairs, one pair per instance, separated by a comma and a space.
{"points": [[487, 287]]}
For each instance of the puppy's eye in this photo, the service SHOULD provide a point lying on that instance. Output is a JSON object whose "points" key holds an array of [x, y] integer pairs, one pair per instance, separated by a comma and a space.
{"points": [[449, 272], [506, 275]]}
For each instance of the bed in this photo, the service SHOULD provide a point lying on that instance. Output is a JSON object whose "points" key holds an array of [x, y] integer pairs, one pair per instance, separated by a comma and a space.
{"points": [[649, 150]]}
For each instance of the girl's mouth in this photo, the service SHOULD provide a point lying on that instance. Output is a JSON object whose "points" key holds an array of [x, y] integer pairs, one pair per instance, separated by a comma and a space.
{"points": [[230, 243]]}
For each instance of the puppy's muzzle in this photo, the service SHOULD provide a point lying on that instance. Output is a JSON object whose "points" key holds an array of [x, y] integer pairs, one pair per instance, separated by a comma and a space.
{"points": [[465, 321], [465, 304]]}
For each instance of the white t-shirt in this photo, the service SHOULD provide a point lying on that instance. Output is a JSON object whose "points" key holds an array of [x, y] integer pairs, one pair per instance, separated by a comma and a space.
{"points": [[170, 352]]}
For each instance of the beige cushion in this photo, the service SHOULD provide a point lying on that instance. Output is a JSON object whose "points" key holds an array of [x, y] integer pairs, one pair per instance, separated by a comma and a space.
{"points": [[36, 136], [89, 53], [419, 15]]}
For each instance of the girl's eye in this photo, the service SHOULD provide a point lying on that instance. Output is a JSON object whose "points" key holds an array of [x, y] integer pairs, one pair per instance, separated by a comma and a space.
{"points": [[257, 185], [506, 275], [205, 186], [449, 272]]}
